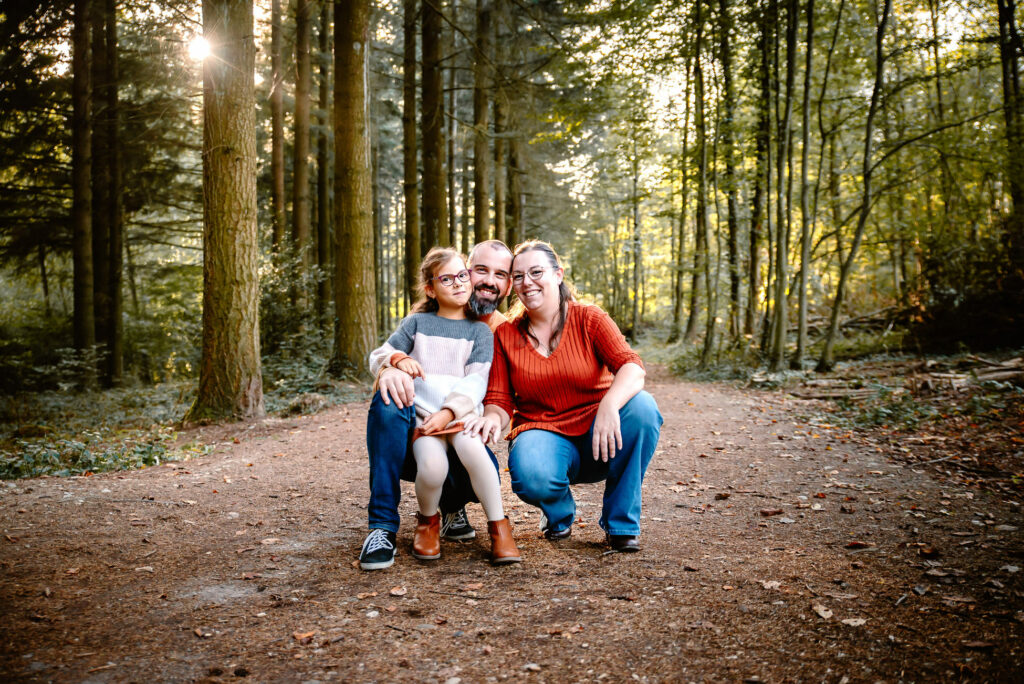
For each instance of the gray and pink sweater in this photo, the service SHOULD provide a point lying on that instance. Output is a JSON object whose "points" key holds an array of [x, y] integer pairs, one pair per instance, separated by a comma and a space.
{"points": [[456, 359]]}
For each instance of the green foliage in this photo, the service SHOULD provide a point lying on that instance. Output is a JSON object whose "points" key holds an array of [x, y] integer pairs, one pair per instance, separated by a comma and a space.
{"points": [[73, 457]]}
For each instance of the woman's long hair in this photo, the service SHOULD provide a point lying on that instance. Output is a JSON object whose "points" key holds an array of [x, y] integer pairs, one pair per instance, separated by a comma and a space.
{"points": [[436, 257], [566, 294]]}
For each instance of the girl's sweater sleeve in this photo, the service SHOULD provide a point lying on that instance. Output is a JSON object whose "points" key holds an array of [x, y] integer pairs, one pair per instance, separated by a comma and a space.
{"points": [[400, 342], [468, 392]]}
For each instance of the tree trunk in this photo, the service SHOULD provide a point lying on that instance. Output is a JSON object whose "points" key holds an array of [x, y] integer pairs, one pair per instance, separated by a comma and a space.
{"points": [[805, 218], [323, 172], [354, 296], [701, 218], [301, 235], [230, 384], [276, 130], [783, 210], [413, 251], [500, 120], [731, 189], [762, 179], [100, 180], [635, 247], [435, 209], [827, 361], [81, 166], [517, 174], [1009, 57], [679, 267], [481, 161], [107, 213], [452, 130]]}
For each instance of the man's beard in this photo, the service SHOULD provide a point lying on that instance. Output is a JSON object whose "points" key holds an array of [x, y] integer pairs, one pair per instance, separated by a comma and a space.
{"points": [[481, 307]]}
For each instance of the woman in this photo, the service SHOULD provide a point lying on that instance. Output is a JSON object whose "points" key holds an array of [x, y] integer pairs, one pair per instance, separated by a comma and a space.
{"points": [[573, 389]]}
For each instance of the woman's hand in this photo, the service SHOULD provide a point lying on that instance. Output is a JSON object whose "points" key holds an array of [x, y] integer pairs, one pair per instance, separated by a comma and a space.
{"points": [[487, 427], [413, 368], [607, 432], [437, 421]]}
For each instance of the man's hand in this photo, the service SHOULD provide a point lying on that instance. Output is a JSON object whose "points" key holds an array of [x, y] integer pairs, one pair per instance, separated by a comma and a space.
{"points": [[396, 384], [437, 421]]}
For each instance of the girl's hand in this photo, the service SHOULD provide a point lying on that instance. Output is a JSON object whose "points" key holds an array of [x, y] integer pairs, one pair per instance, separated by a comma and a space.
{"points": [[413, 368], [437, 421], [607, 432], [487, 427]]}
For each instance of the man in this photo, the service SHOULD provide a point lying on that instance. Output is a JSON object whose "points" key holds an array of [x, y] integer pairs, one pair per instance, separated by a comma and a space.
{"points": [[391, 419]]}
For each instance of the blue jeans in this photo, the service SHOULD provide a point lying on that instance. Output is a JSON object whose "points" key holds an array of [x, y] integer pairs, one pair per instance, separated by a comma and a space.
{"points": [[543, 464], [388, 429]]}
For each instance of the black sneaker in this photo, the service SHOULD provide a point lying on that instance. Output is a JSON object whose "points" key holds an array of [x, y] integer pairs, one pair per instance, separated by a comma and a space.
{"points": [[456, 526], [378, 550]]}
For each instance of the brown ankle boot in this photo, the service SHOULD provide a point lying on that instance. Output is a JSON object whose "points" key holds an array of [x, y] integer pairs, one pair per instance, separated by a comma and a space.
{"points": [[426, 545], [503, 546]]}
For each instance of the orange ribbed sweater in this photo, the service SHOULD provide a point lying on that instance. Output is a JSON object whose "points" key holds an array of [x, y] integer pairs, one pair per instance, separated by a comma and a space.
{"points": [[559, 393]]}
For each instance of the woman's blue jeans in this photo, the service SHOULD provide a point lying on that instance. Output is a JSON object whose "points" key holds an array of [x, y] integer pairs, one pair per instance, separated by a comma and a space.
{"points": [[543, 464]]}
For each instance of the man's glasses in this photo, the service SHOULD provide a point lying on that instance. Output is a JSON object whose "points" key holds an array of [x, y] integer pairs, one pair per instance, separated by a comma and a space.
{"points": [[535, 273], [449, 280]]}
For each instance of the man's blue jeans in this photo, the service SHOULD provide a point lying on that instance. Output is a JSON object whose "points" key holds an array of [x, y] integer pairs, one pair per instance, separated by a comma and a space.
{"points": [[543, 464], [388, 429]]}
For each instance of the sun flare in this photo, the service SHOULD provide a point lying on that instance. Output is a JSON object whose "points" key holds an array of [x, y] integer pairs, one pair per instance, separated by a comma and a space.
{"points": [[198, 49]]}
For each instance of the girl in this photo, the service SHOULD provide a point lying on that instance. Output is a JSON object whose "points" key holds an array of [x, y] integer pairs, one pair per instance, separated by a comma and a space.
{"points": [[449, 358]]}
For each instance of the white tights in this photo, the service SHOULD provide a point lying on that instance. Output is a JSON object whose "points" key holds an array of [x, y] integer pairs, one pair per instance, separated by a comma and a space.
{"points": [[432, 469]]}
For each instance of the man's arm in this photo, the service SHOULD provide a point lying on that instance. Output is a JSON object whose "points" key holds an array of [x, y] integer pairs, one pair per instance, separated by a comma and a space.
{"points": [[395, 384]]}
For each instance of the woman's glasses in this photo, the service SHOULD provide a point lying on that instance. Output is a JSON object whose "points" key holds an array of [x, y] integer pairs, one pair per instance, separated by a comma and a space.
{"points": [[535, 273], [449, 280]]}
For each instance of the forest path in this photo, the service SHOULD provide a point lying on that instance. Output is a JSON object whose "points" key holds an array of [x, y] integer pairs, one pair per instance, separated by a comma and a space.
{"points": [[772, 550]]}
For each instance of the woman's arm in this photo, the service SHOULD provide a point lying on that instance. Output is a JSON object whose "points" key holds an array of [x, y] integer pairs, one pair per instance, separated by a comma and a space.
{"points": [[607, 430]]}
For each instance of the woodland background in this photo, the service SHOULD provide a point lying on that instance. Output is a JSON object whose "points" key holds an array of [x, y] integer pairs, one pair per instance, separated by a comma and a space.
{"points": [[212, 229]]}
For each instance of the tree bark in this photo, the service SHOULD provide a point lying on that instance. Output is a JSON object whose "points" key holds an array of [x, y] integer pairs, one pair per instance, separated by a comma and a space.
{"points": [[701, 218], [679, 267], [435, 203], [323, 171], [805, 218], [783, 210], [481, 160], [1009, 57], [230, 383], [728, 154], [354, 296], [413, 251], [81, 166], [276, 131], [301, 235], [827, 360]]}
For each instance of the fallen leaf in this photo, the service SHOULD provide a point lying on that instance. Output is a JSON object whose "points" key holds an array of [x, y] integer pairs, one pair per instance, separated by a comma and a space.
{"points": [[822, 611], [472, 586], [978, 645], [532, 667], [398, 591], [145, 568], [303, 637], [365, 595], [857, 545], [854, 622], [770, 585], [766, 512], [1011, 568], [270, 540], [72, 571]]}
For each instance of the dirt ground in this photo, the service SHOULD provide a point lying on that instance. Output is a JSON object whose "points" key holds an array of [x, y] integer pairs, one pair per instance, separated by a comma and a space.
{"points": [[775, 548]]}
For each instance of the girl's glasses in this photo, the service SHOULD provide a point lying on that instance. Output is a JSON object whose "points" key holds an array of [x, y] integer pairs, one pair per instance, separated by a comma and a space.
{"points": [[535, 273], [449, 280]]}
